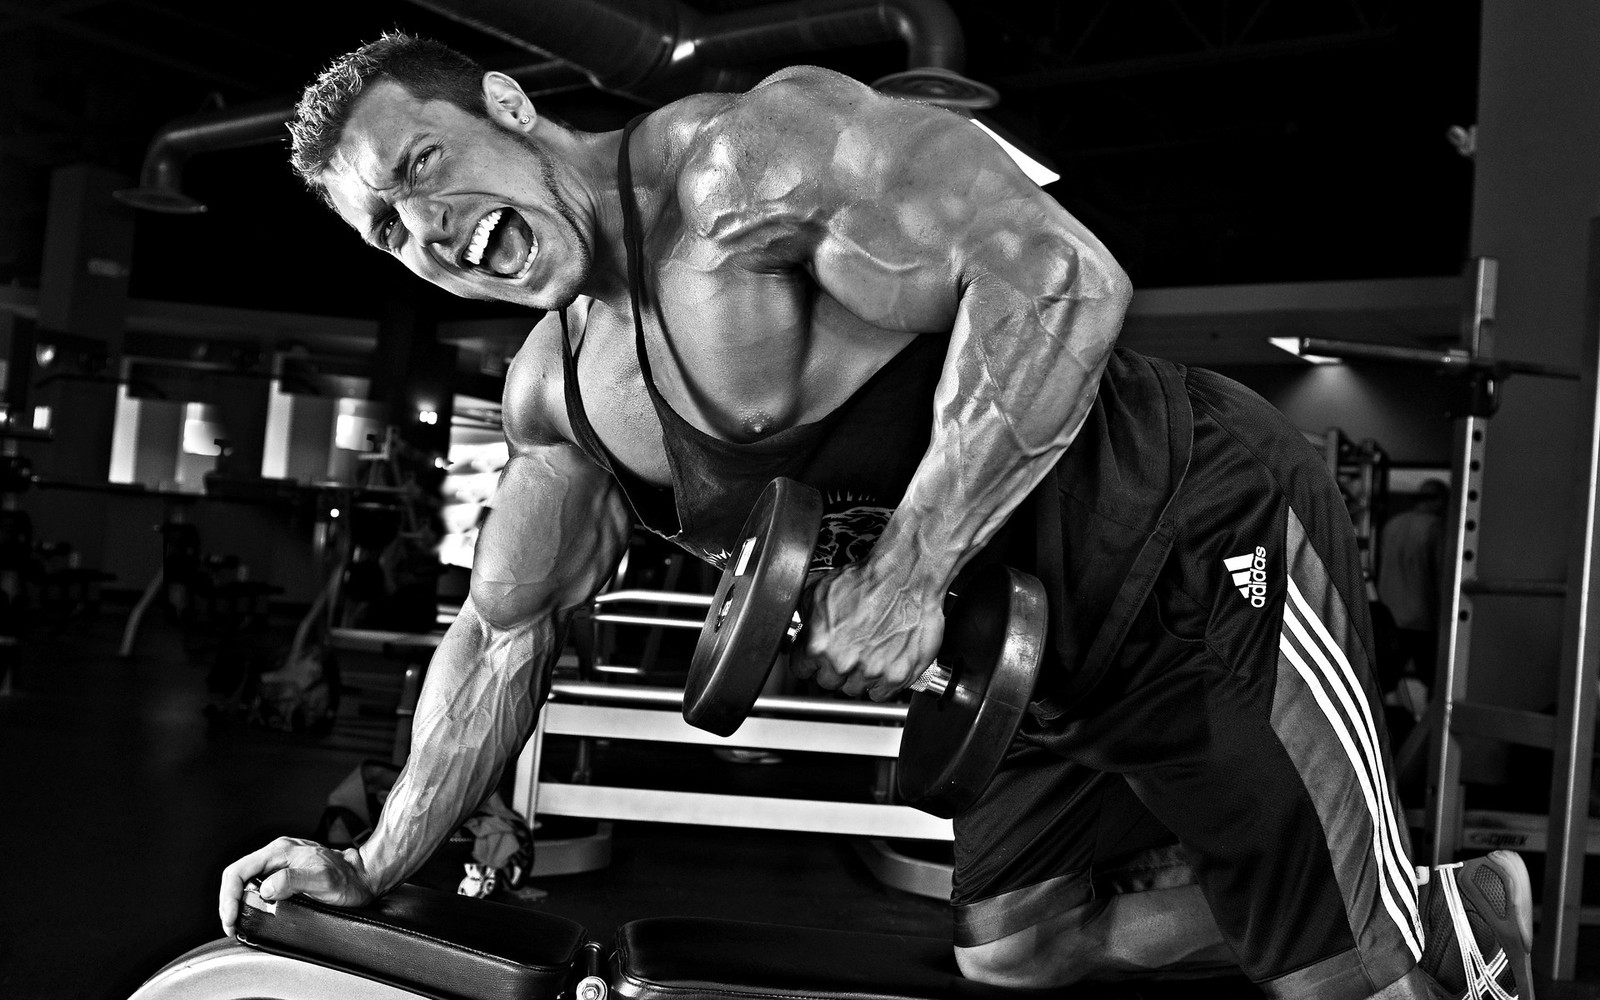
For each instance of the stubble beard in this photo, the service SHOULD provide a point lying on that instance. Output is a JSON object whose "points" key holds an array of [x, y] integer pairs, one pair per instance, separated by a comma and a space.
{"points": [[581, 255]]}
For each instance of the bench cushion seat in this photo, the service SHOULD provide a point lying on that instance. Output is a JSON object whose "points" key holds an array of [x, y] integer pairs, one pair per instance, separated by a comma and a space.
{"points": [[681, 958], [438, 944]]}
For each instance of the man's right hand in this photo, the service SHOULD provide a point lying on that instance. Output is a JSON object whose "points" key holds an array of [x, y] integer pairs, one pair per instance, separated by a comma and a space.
{"points": [[288, 866]]}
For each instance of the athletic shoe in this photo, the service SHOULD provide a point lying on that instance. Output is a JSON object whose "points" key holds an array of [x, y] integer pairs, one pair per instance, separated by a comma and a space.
{"points": [[1478, 919]]}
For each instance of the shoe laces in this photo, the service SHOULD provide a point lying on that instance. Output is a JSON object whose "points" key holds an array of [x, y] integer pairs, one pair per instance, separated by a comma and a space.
{"points": [[1480, 978]]}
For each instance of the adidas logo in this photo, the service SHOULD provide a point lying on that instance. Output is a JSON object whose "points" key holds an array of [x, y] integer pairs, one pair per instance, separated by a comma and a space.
{"points": [[1249, 573]]}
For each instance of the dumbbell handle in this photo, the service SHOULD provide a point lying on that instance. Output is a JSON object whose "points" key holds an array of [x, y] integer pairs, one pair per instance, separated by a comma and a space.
{"points": [[934, 680]]}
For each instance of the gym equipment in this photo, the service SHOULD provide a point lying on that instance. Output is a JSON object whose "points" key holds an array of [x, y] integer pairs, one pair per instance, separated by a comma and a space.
{"points": [[966, 706], [196, 587], [419, 942], [38, 580], [1361, 468]]}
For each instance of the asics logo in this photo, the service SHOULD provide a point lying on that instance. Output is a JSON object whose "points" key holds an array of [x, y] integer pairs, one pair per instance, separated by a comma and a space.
{"points": [[1249, 574]]}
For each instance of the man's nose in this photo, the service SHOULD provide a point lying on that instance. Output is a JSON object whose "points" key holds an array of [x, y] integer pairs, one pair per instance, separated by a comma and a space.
{"points": [[428, 220]]}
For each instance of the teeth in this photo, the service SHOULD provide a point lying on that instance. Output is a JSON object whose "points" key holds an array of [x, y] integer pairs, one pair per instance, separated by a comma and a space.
{"points": [[480, 237]]}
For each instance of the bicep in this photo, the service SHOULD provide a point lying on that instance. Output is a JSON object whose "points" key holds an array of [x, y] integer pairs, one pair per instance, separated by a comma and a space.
{"points": [[556, 530]]}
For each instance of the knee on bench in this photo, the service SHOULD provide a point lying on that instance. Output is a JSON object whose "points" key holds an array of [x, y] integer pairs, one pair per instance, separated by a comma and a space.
{"points": [[1061, 951]]}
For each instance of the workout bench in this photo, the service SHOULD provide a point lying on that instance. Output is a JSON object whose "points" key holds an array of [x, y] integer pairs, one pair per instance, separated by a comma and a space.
{"points": [[423, 942]]}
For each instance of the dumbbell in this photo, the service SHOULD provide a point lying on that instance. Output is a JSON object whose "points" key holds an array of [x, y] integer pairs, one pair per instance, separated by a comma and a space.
{"points": [[967, 704]]}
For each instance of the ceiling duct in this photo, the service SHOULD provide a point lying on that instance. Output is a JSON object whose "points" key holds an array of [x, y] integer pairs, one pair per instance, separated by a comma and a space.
{"points": [[659, 50], [651, 51], [161, 177]]}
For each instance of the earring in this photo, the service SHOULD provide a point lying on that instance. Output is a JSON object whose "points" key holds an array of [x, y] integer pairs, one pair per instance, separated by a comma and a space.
{"points": [[525, 119]]}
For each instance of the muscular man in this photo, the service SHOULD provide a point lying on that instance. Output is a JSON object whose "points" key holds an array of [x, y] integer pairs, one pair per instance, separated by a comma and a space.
{"points": [[815, 280]]}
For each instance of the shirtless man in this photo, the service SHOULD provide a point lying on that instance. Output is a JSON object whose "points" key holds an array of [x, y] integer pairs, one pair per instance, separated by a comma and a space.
{"points": [[812, 279]]}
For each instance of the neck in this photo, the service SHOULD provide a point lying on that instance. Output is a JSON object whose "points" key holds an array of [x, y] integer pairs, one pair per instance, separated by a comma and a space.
{"points": [[595, 156]]}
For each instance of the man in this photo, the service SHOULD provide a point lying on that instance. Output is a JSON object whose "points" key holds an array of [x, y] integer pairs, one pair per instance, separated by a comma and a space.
{"points": [[1411, 573], [812, 279]]}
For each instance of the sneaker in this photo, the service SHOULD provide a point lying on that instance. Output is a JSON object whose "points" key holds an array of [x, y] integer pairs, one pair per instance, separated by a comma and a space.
{"points": [[1478, 920]]}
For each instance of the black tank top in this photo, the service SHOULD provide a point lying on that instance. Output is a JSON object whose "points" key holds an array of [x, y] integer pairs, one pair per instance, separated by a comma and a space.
{"points": [[860, 456]]}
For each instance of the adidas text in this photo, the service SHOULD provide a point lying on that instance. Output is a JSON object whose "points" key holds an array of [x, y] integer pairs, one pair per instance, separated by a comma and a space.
{"points": [[1249, 572]]}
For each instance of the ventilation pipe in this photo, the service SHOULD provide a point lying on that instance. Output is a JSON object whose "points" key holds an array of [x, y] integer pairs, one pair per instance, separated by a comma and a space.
{"points": [[652, 52], [664, 49], [161, 177]]}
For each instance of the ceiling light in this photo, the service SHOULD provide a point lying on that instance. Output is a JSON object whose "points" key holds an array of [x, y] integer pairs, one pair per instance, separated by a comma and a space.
{"points": [[1293, 345]]}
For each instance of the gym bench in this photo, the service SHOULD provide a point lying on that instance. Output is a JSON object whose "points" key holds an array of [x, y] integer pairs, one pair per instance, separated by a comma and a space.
{"points": [[419, 942]]}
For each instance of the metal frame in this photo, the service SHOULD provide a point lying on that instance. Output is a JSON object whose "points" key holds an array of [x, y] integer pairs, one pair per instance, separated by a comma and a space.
{"points": [[1466, 468], [1573, 745], [818, 725]]}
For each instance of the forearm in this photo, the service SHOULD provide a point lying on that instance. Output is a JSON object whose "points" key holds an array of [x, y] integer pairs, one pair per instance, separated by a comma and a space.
{"points": [[479, 704], [1021, 375]]}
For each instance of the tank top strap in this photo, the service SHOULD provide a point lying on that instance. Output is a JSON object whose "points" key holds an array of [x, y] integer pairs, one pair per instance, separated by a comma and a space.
{"points": [[588, 440], [633, 244]]}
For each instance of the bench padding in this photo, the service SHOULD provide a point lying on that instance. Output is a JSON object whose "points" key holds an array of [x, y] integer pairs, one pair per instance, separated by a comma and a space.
{"points": [[684, 958], [439, 944]]}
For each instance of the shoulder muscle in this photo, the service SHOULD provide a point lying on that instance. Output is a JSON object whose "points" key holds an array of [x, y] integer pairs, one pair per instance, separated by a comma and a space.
{"points": [[893, 206], [533, 405]]}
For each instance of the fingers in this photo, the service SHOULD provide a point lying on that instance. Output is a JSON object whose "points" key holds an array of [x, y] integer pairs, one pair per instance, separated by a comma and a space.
{"points": [[862, 639], [852, 679], [275, 856]]}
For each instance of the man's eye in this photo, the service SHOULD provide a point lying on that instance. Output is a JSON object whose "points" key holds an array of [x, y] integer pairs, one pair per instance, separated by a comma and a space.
{"points": [[421, 161], [386, 232]]}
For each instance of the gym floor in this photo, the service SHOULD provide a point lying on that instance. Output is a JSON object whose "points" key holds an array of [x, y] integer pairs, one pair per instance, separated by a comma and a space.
{"points": [[121, 804]]}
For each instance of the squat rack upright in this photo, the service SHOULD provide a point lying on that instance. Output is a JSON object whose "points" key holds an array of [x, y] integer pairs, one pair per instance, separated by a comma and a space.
{"points": [[1476, 377]]}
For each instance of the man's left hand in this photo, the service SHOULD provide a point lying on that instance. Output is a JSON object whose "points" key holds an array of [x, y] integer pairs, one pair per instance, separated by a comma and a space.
{"points": [[866, 636]]}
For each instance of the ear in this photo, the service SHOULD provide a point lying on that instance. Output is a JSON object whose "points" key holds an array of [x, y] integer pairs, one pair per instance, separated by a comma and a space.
{"points": [[506, 102]]}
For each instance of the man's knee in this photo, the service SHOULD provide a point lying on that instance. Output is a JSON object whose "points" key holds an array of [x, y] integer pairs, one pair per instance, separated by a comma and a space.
{"points": [[1156, 933], [1059, 952]]}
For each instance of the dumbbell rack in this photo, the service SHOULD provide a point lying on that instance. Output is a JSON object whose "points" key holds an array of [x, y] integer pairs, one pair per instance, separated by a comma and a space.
{"points": [[810, 725], [1567, 833], [587, 710]]}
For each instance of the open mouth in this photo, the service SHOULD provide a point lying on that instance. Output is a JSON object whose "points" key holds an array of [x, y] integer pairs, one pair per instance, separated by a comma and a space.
{"points": [[501, 245]]}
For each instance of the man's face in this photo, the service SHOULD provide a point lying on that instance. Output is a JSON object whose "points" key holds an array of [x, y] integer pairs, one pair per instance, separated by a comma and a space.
{"points": [[470, 206]]}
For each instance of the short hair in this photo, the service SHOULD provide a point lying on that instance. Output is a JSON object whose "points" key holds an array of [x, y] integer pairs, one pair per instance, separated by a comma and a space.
{"points": [[429, 70]]}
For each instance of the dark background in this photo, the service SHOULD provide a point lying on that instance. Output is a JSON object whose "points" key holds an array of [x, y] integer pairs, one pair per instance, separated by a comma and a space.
{"points": [[1206, 143]]}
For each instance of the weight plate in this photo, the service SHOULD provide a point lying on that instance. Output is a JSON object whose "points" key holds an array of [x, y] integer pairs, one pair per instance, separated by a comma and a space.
{"points": [[993, 644], [753, 606]]}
